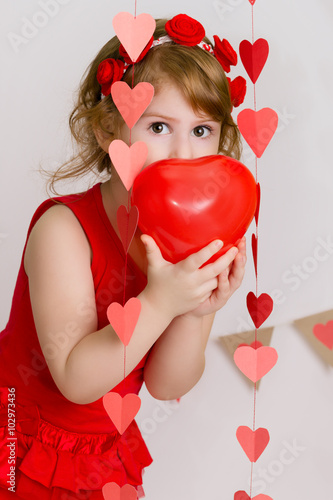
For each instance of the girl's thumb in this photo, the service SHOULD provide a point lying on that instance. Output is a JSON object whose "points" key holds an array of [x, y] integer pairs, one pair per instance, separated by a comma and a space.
{"points": [[153, 252]]}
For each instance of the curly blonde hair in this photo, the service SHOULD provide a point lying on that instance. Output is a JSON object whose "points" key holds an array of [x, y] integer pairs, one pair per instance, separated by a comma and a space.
{"points": [[196, 72]]}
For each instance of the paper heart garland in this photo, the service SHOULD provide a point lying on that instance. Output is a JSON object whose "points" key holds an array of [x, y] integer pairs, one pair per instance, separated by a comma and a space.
{"points": [[252, 442], [324, 333], [257, 128], [255, 363], [134, 32], [242, 495], [111, 491], [132, 103], [128, 161], [259, 307], [124, 319], [254, 57], [127, 224], [121, 410], [185, 204]]}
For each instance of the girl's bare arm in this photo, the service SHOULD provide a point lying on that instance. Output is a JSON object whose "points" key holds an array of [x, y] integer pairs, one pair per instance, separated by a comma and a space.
{"points": [[84, 362], [177, 360]]}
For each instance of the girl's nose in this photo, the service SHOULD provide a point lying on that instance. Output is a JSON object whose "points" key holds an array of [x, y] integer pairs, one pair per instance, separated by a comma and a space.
{"points": [[181, 148]]}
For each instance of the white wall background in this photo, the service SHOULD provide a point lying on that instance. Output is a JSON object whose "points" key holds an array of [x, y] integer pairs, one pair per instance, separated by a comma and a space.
{"points": [[195, 451]]}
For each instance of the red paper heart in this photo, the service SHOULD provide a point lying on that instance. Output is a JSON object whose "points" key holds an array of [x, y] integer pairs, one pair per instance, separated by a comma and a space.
{"points": [[111, 491], [252, 2], [259, 307], [121, 410], [254, 57], [128, 161], [124, 319], [257, 128], [134, 32], [132, 103], [254, 243], [255, 344], [324, 333], [256, 215], [186, 204], [242, 495], [255, 363], [127, 224], [252, 442]]}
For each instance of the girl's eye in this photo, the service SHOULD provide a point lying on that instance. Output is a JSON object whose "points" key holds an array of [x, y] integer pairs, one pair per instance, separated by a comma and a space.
{"points": [[201, 131], [159, 128]]}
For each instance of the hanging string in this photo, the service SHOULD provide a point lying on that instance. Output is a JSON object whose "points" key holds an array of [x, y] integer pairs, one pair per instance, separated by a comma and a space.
{"points": [[127, 218], [256, 274]]}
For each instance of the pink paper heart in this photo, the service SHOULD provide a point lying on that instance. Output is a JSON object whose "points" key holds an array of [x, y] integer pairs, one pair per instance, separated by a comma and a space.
{"points": [[257, 128], [324, 333], [252, 442], [134, 32], [254, 243], [256, 215], [121, 410], [111, 491], [255, 363], [128, 161], [127, 224], [254, 57], [242, 495], [124, 319], [132, 103], [259, 307]]}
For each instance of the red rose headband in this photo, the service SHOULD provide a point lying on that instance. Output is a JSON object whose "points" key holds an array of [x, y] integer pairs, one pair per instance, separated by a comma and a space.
{"points": [[183, 30]]}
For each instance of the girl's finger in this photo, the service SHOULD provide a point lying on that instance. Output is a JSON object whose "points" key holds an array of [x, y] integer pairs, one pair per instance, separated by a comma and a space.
{"points": [[220, 264], [196, 260], [222, 293], [153, 253], [209, 286], [237, 272]]}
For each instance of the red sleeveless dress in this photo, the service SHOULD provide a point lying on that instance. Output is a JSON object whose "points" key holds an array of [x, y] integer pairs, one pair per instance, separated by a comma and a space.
{"points": [[64, 450]]}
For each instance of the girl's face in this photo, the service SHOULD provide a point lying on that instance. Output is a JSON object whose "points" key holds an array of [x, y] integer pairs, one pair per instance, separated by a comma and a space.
{"points": [[171, 129]]}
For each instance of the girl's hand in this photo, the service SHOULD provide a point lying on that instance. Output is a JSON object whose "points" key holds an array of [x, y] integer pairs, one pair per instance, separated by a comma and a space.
{"points": [[228, 281], [177, 289]]}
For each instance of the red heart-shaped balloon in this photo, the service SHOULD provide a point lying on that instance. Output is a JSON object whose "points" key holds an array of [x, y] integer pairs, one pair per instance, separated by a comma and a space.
{"points": [[186, 204]]}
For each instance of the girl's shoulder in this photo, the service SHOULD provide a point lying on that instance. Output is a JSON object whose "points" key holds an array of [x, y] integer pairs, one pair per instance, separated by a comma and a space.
{"points": [[61, 221], [56, 231]]}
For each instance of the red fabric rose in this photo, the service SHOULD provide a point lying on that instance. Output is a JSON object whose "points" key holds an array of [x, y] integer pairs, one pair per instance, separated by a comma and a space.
{"points": [[109, 71], [128, 60], [224, 53], [185, 30], [237, 90]]}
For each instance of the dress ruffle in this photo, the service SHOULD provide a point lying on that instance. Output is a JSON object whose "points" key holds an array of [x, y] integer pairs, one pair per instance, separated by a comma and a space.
{"points": [[57, 464]]}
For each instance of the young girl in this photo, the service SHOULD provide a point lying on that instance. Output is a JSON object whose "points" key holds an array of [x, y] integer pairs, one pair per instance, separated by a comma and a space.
{"points": [[59, 354]]}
